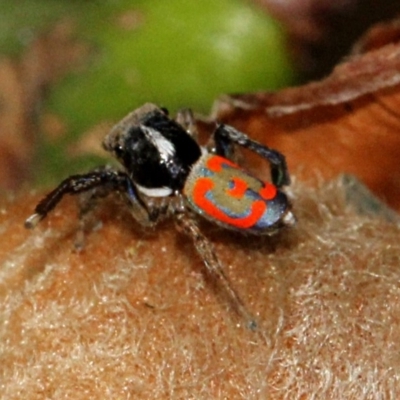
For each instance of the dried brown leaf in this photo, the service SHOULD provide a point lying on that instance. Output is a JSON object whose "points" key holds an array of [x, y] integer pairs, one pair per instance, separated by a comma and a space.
{"points": [[321, 32], [348, 122]]}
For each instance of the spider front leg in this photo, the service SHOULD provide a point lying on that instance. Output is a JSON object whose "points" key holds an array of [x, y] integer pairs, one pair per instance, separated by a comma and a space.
{"points": [[224, 138], [187, 225], [105, 180], [185, 119]]}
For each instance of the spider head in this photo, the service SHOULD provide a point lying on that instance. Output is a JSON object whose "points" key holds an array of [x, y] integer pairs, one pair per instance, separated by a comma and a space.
{"points": [[156, 152], [115, 140]]}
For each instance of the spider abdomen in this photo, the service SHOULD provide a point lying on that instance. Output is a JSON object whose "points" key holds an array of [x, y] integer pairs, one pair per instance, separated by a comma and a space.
{"points": [[221, 191]]}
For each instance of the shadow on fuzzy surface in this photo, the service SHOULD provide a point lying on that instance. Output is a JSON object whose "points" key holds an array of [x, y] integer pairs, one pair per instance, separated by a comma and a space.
{"points": [[132, 315]]}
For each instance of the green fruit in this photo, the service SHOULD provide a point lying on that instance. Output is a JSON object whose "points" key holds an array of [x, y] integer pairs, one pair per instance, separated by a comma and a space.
{"points": [[176, 53]]}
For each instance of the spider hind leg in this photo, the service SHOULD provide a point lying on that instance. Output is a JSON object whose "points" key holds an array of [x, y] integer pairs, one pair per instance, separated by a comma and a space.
{"points": [[187, 225]]}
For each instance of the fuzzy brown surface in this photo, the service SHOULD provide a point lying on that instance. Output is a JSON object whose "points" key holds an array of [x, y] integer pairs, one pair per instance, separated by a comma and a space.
{"points": [[132, 316]]}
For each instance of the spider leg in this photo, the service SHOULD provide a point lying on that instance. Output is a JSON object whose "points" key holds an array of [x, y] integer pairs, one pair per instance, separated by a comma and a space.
{"points": [[87, 201], [222, 145], [101, 182], [185, 118], [187, 225], [225, 136]]}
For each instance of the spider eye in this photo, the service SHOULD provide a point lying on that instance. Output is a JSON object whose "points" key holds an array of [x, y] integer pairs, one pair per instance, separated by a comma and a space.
{"points": [[118, 151]]}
